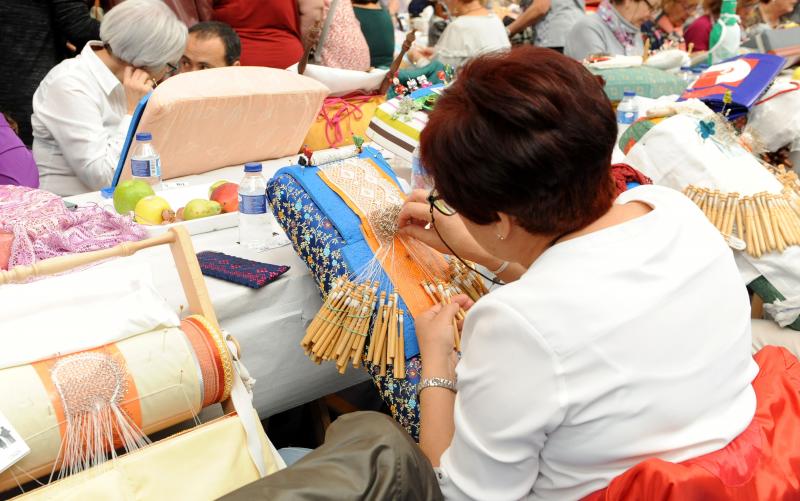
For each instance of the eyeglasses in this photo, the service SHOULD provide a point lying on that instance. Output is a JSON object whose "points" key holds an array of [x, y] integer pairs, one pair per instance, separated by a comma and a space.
{"points": [[173, 68], [649, 5], [439, 204]]}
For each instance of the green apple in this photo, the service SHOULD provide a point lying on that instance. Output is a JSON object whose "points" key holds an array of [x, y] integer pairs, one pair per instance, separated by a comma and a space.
{"points": [[128, 193]]}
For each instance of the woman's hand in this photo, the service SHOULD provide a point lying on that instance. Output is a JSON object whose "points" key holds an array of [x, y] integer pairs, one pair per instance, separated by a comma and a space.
{"points": [[415, 221], [427, 52], [435, 334], [416, 53], [137, 83]]}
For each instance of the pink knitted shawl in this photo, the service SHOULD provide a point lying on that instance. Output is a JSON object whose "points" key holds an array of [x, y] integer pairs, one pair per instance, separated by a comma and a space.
{"points": [[44, 228]]}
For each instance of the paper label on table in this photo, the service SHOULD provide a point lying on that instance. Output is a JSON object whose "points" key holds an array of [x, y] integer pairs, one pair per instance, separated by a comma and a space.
{"points": [[12, 446]]}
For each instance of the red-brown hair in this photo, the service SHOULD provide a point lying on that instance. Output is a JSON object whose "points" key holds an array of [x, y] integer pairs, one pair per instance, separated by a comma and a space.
{"points": [[527, 132]]}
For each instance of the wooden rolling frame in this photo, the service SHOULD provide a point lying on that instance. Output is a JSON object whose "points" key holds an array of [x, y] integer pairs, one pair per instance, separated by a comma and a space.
{"points": [[180, 243]]}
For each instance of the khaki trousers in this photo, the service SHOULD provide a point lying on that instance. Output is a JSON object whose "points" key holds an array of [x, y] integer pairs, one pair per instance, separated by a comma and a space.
{"points": [[366, 456]]}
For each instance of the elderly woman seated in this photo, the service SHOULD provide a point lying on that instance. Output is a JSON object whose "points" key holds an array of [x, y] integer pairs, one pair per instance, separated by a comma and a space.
{"points": [[613, 30], [621, 339], [82, 109], [473, 31]]}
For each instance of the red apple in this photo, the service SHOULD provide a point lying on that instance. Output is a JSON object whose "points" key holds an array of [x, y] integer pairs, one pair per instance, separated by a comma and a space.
{"points": [[227, 195]]}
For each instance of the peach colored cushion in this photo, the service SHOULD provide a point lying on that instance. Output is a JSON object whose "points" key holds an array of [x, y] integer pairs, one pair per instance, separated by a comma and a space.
{"points": [[215, 118]]}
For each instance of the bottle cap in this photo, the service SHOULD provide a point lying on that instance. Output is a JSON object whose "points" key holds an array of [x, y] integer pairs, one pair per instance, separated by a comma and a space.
{"points": [[144, 136], [629, 93], [252, 167]]}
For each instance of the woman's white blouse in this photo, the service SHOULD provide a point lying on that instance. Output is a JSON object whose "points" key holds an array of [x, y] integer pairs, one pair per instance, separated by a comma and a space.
{"points": [[79, 125], [624, 344], [469, 36]]}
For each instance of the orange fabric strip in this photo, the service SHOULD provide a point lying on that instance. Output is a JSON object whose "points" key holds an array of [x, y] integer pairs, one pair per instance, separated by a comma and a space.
{"points": [[405, 272]]}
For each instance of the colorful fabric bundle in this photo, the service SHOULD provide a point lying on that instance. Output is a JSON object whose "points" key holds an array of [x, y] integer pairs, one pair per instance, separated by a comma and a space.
{"points": [[341, 218], [340, 118], [398, 122], [239, 270], [43, 227], [753, 209], [76, 410], [626, 177], [743, 79], [761, 463]]}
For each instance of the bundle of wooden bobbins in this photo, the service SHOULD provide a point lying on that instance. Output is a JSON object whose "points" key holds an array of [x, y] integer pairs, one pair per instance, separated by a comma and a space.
{"points": [[466, 281], [352, 312], [765, 222], [789, 179]]}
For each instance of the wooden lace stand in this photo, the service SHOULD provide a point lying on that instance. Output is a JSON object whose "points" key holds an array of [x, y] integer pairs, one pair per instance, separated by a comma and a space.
{"points": [[180, 243]]}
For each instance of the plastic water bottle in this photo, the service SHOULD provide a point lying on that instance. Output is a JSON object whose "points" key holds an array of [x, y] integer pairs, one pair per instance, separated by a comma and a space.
{"points": [[627, 111], [254, 224], [145, 162]]}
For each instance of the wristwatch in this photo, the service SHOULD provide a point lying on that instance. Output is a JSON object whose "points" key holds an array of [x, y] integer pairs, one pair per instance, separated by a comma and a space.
{"points": [[436, 382]]}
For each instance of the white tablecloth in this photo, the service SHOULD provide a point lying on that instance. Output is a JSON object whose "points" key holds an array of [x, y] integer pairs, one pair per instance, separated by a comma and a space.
{"points": [[269, 322]]}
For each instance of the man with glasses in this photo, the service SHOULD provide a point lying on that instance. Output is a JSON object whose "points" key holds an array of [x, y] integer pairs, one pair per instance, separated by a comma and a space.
{"points": [[211, 44]]}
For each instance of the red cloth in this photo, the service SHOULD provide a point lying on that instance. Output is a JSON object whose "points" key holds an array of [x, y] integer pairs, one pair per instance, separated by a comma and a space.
{"points": [[624, 174], [763, 463], [269, 30], [699, 32]]}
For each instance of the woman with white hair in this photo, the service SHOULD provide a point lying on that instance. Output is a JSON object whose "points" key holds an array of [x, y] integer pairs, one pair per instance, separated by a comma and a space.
{"points": [[83, 107]]}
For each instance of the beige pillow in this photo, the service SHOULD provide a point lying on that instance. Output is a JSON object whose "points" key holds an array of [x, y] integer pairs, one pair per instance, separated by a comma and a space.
{"points": [[215, 118]]}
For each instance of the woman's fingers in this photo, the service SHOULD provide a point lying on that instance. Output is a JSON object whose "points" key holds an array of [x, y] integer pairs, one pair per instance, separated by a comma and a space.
{"points": [[414, 213], [418, 196], [463, 301]]}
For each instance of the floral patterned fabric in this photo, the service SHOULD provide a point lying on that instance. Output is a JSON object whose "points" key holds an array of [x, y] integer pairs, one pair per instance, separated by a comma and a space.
{"points": [[401, 394], [313, 236], [317, 241]]}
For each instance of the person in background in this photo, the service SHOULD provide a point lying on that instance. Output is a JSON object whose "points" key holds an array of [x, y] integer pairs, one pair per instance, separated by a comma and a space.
{"points": [[415, 7], [211, 44], [437, 23], [376, 24], [33, 39], [269, 31], [699, 31], [552, 20], [16, 161], [472, 31], [343, 44], [612, 30], [667, 26], [82, 109], [769, 15]]}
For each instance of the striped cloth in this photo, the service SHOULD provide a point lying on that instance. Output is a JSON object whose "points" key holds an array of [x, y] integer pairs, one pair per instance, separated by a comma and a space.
{"points": [[400, 133]]}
